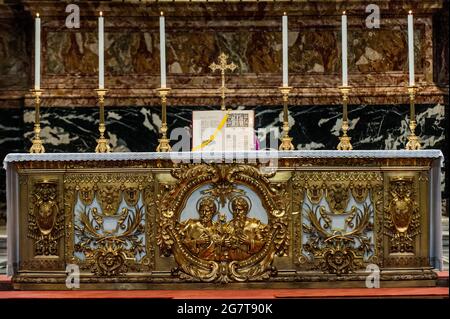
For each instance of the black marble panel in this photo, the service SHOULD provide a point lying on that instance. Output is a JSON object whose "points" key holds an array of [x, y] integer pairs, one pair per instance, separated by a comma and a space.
{"points": [[312, 127], [136, 128]]}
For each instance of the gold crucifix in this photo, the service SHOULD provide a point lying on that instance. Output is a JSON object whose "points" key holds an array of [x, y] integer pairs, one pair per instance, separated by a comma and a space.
{"points": [[223, 66]]}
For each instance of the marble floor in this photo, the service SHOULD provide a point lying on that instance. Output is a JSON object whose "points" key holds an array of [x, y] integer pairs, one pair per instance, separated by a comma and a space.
{"points": [[444, 242]]}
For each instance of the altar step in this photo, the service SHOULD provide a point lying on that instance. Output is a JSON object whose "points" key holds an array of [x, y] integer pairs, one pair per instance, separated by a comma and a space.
{"points": [[440, 291], [425, 292]]}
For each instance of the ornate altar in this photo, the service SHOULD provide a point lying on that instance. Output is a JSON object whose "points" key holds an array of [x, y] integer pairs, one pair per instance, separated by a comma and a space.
{"points": [[254, 219]]}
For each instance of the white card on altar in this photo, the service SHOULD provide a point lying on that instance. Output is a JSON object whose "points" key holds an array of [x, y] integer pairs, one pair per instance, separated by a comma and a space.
{"points": [[216, 131]]}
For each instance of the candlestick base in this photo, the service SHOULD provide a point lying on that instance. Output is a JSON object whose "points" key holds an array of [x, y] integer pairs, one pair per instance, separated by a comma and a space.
{"points": [[164, 142], [413, 140], [102, 146], [37, 147], [344, 144], [344, 140], [286, 140], [102, 142]]}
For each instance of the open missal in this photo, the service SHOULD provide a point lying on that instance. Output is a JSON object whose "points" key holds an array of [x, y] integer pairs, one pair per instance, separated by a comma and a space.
{"points": [[223, 130]]}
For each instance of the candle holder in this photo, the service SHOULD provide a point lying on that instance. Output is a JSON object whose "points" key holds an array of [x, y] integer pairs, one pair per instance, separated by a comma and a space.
{"points": [[344, 144], [102, 142], [286, 141], [37, 147], [164, 142], [413, 140]]}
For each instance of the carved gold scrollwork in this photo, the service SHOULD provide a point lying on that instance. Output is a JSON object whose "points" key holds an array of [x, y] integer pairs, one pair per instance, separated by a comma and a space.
{"points": [[337, 237], [209, 250], [45, 223], [107, 250], [402, 217], [108, 214]]}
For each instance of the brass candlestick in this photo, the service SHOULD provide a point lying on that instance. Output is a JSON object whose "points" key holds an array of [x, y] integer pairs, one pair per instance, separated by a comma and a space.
{"points": [[344, 144], [413, 140], [163, 145], [102, 142], [37, 146], [286, 141], [223, 66]]}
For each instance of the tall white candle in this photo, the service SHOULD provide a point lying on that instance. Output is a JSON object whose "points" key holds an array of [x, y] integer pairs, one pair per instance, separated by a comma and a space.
{"points": [[411, 48], [285, 49], [37, 53], [162, 48], [344, 50], [101, 51]]}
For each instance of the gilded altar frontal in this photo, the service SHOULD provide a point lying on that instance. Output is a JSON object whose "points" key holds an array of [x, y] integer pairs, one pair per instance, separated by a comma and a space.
{"points": [[149, 224]]}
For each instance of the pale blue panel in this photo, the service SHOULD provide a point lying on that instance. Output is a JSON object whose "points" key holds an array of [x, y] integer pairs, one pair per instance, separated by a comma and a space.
{"points": [[338, 221], [110, 223]]}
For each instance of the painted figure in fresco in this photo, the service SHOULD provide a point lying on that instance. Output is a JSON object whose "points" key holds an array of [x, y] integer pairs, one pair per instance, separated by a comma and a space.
{"points": [[89, 61], [199, 234], [262, 58], [246, 234], [72, 56], [143, 60]]}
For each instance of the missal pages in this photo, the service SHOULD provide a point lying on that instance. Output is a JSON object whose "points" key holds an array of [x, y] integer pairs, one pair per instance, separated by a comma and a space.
{"points": [[216, 131]]}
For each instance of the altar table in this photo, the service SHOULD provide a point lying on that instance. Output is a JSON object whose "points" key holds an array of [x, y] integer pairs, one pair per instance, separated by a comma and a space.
{"points": [[215, 220]]}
